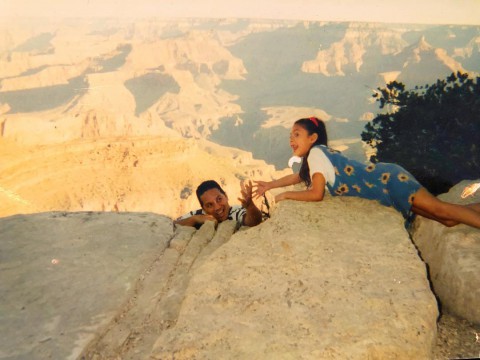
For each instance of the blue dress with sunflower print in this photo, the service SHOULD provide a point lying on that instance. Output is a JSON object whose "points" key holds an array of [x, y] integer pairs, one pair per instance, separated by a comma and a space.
{"points": [[390, 184]]}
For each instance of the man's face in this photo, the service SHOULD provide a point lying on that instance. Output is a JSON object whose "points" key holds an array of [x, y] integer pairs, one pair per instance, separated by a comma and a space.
{"points": [[216, 204]]}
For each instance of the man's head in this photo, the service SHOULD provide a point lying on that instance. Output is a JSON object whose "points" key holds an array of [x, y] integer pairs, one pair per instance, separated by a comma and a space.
{"points": [[213, 200]]}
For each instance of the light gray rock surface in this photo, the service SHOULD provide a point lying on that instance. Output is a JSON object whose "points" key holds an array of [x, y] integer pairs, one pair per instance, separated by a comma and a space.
{"points": [[157, 307], [332, 280], [453, 257], [64, 276], [338, 279]]}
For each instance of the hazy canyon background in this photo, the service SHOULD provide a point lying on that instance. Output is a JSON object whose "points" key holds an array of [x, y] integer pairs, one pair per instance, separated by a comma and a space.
{"points": [[121, 115]]}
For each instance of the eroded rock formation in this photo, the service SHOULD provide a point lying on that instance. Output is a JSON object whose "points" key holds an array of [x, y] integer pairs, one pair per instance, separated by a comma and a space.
{"points": [[337, 279], [453, 258]]}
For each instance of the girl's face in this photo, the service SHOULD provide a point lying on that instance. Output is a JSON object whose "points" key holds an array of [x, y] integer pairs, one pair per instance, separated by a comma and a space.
{"points": [[301, 141]]}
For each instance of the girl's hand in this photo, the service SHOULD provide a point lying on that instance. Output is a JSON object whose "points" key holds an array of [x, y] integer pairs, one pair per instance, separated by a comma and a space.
{"points": [[261, 187]]}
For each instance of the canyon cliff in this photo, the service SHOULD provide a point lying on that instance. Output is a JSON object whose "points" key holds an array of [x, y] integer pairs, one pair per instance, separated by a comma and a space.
{"points": [[106, 129]]}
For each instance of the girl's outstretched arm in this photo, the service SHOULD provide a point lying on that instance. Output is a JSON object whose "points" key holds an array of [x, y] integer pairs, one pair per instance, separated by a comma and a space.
{"points": [[261, 187], [314, 193]]}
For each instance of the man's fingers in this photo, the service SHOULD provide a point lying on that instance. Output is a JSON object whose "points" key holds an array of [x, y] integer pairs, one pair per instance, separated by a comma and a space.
{"points": [[242, 184], [244, 193]]}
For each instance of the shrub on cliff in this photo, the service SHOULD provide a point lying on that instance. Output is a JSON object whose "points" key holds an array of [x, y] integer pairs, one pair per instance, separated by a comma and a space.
{"points": [[432, 131]]}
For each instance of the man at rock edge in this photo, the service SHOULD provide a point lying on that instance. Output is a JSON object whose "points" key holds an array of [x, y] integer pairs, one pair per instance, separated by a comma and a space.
{"points": [[215, 207]]}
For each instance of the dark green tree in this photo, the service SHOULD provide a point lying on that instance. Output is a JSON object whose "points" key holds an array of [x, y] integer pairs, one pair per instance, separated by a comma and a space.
{"points": [[432, 131]]}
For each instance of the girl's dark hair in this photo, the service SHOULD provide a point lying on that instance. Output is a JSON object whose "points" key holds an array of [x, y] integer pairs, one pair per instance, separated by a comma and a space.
{"points": [[313, 125]]}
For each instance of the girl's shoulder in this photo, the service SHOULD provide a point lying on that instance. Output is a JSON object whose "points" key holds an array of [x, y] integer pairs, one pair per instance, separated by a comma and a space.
{"points": [[325, 148]]}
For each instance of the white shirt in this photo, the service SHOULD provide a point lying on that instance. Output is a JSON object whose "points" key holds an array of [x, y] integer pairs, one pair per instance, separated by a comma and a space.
{"points": [[318, 162]]}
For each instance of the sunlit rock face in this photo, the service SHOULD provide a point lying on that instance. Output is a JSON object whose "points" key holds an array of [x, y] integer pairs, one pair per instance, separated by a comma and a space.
{"points": [[336, 279], [352, 53], [136, 174], [416, 62], [453, 258], [77, 70]]}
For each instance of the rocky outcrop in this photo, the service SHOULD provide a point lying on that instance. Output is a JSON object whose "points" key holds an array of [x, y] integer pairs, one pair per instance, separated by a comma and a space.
{"points": [[66, 276], [133, 334], [453, 258], [337, 279], [422, 58], [176, 80], [348, 55]]}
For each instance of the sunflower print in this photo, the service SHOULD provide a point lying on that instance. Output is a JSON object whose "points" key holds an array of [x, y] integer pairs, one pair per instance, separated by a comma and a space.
{"points": [[342, 189], [370, 185], [384, 178], [358, 188], [411, 198], [349, 170], [388, 183]]}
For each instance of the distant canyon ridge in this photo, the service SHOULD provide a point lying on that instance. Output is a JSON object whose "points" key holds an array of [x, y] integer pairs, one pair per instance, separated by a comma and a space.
{"points": [[116, 115]]}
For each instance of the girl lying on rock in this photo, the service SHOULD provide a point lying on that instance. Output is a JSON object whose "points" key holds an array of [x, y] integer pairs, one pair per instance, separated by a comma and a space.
{"points": [[389, 184]]}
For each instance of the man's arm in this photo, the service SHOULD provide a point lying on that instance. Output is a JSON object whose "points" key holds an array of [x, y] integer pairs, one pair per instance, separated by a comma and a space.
{"points": [[253, 215], [194, 220]]}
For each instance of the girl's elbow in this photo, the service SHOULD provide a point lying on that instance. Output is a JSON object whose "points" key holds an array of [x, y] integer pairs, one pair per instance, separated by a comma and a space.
{"points": [[318, 196]]}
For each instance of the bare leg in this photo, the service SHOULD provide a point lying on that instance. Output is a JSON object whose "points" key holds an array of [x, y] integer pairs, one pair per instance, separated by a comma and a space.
{"points": [[425, 204], [448, 223], [475, 207]]}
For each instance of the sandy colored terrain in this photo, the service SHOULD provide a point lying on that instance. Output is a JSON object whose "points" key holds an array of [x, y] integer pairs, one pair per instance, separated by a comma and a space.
{"points": [[121, 174]]}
